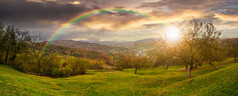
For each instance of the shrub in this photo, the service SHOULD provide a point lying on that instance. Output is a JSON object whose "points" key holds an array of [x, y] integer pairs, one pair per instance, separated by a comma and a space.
{"points": [[67, 72], [56, 72], [25, 63], [54, 65], [49, 62], [94, 64], [77, 65]]}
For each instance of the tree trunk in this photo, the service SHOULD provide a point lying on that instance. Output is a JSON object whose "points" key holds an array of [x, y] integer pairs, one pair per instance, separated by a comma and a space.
{"points": [[135, 70], [14, 56], [167, 67], [188, 72], [235, 59], [6, 58], [213, 65], [12, 59], [196, 66], [164, 66], [39, 67], [1, 54]]}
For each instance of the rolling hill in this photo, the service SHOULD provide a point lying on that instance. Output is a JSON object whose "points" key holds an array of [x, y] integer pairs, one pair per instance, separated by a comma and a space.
{"points": [[156, 81], [87, 45], [131, 47], [219, 83], [82, 53]]}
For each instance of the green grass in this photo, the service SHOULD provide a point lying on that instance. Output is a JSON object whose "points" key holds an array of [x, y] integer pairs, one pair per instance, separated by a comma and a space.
{"points": [[148, 81], [223, 82]]}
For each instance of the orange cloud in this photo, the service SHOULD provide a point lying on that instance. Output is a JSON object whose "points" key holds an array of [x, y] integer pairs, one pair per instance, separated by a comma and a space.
{"points": [[119, 21], [226, 17]]}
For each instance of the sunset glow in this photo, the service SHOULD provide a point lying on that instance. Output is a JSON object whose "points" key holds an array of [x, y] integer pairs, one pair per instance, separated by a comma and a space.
{"points": [[172, 33]]}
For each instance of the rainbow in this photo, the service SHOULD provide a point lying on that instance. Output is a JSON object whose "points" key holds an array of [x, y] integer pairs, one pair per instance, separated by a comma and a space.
{"points": [[85, 15]]}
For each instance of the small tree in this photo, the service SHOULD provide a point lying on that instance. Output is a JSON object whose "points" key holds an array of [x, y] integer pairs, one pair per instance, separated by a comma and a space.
{"points": [[37, 46], [213, 51], [233, 49], [163, 53], [139, 62], [196, 35]]}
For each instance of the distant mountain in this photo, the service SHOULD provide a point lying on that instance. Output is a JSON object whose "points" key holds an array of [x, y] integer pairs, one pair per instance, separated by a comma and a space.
{"points": [[88, 45], [128, 47], [109, 43], [234, 40], [118, 43], [138, 45], [146, 40], [133, 46]]}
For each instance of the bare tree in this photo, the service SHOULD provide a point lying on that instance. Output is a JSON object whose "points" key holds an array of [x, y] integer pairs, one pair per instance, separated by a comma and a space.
{"points": [[196, 35], [37, 46], [233, 49], [139, 62], [214, 51], [235, 52], [163, 53]]}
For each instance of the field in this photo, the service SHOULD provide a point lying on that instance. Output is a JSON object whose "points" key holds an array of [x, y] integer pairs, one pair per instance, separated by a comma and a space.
{"points": [[151, 81]]}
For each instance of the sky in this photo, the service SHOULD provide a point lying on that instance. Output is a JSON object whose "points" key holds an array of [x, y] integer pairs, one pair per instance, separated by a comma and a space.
{"points": [[46, 16]]}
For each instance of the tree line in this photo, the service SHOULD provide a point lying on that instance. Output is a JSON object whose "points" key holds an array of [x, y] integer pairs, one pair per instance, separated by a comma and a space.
{"points": [[25, 52]]}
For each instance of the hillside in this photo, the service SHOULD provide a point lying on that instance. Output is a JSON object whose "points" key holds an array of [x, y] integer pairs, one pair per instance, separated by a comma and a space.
{"points": [[86, 45], [223, 82], [109, 46], [82, 53], [234, 40], [152, 81]]}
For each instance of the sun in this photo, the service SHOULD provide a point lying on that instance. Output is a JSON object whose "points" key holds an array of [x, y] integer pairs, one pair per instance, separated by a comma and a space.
{"points": [[172, 33]]}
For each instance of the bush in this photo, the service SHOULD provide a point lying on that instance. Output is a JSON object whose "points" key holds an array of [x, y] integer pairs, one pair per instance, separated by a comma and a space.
{"points": [[49, 62], [80, 66], [67, 72], [54, 65], [25, 63], [94, 64], [77, 65], [56, 72]]}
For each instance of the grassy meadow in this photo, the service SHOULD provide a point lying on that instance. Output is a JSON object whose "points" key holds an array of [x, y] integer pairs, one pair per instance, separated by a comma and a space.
{"points": [[149, 81]]}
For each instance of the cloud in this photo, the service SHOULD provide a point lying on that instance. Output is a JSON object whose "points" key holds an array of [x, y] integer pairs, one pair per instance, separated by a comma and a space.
{"points": [[113, 3], [177, 5], [46, 16], [93, 39], [223, 12], [226, 17], [115, 21], [177, 10], [36, 16], [228, 7], [75, 2], [26, 11]]}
